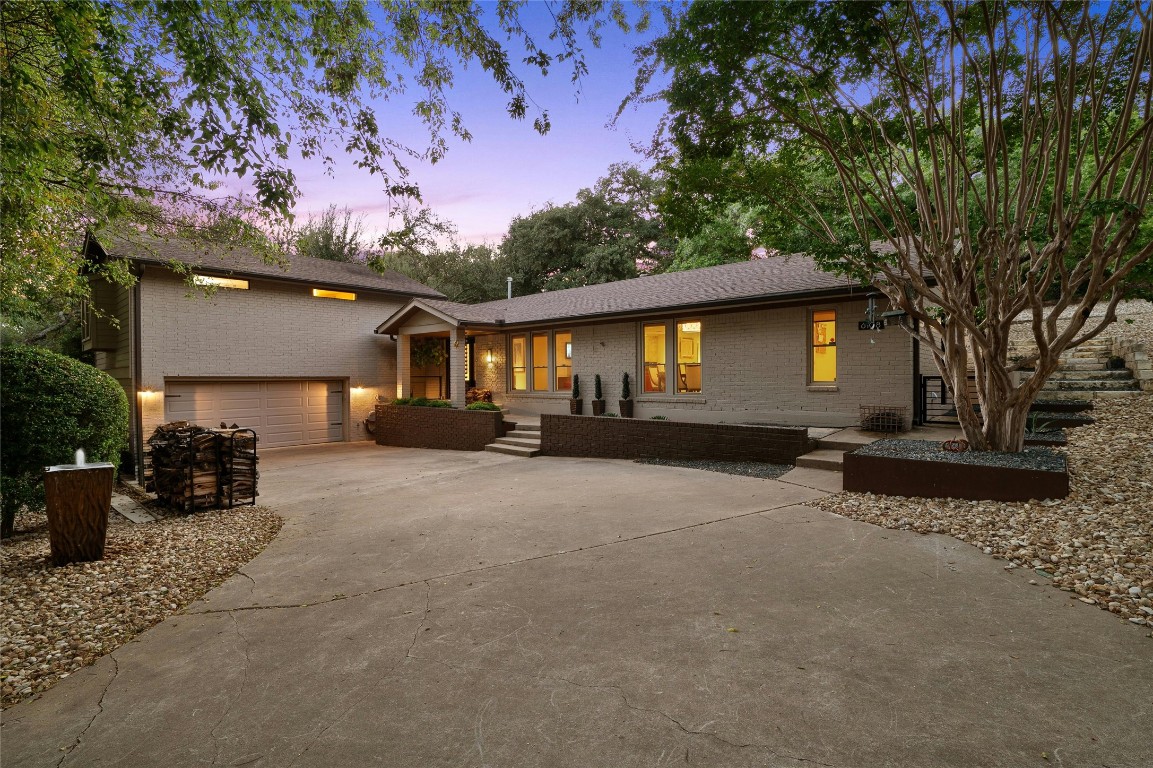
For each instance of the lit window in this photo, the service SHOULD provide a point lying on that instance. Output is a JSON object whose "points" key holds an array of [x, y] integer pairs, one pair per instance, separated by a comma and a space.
{"points": [[654, 363], [220, 282], [320, 293], [825, 346], [540, 362], [563, 350], [519, 364], [689, 357]]}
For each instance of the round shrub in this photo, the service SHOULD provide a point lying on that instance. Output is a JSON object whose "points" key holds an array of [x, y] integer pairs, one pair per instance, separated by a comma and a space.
{"points": [[481, 405], [50, 405]]}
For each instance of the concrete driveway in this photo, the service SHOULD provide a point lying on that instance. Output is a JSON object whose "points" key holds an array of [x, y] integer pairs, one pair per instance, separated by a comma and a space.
{"points": [[428, 608]]}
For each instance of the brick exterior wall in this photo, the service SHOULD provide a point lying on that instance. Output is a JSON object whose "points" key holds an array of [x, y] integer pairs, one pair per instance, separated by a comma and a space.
{"points": [[755, 368], [272, 330], [407, 426], [639, 439]]}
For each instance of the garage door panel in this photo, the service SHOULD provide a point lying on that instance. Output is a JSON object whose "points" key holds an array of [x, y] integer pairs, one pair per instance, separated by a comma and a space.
{"points": [[281, 412]]}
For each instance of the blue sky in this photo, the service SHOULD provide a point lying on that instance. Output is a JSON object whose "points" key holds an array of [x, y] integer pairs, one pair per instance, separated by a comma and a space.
{"points": [[508, 169]]}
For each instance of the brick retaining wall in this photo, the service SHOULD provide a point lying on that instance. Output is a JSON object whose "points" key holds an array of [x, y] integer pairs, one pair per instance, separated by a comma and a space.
{"points": [[410, 426], [611, 438]]}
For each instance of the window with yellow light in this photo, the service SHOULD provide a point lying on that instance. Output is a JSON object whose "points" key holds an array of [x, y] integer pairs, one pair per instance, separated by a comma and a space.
{"points": [[824, 346]]}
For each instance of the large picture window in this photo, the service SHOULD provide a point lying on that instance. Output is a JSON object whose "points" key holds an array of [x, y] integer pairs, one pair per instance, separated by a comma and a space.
{"points": [[679, 341], [824, 346], [541, 362]]}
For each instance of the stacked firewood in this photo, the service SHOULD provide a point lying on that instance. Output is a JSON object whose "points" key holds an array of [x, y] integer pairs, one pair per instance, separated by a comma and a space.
{"points": [[198, 468]]}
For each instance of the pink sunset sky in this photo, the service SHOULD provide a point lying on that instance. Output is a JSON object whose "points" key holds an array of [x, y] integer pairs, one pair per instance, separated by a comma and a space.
{"points": [[508, 169]]}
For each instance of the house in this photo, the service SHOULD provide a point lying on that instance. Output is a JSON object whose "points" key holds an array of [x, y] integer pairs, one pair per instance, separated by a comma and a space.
{"points": [[287, 350], [766, 341]]}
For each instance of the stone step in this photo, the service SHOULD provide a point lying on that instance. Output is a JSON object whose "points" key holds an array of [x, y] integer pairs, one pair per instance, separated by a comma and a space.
{"points": [[1086, 394], [822, 458], [1092, 385], [528, 434], [527, 427], [513, 450], [521, 441], [1080, 365], [1064, 375], [1090, 355]]}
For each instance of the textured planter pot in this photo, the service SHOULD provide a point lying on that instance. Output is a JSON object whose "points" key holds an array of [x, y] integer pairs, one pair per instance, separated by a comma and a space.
{"points": [[78, 499], [626, 408], [576, 407], [893, 476], [598, 407]]}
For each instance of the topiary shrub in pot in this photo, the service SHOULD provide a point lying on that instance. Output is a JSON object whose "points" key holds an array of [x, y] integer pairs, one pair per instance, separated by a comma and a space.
{"points": [[626, 401], [576, 405], [598, 397], [50, 405]]}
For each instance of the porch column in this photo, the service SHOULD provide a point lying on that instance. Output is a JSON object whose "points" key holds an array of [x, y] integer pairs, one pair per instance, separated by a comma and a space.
{"points": [[403, 365], [456, 350]]}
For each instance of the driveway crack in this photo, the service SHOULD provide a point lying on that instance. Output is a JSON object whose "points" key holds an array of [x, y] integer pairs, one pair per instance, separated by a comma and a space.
{"points": [[494, 566], [99, 711], [239, 692]]}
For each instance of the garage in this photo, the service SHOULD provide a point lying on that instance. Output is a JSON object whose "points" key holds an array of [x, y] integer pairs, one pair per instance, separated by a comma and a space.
{"points": [[282, 412]]}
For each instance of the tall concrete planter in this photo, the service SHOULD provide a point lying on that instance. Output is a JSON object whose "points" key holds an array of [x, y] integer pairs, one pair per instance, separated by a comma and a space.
{"points": [[78, 498]]}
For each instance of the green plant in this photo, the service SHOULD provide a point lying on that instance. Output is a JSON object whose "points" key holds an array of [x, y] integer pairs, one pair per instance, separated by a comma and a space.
{"points": [[1036, 425], [50, 405], [597, 394], [576, 387], [612, 415], [426, 352], [422, 402], [626, 393], [481, 405], [659, 418]]}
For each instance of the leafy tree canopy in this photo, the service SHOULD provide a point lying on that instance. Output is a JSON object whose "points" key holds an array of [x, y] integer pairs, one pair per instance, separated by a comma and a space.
{"points": [[977, 161], [110, 103], [610, 232], [335, 235]]}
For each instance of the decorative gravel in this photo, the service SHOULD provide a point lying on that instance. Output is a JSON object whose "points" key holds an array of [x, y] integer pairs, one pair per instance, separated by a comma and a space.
{"points": [[57, 620], [1051, 436], [1041, 459], [745, 468], [1097, 544]]}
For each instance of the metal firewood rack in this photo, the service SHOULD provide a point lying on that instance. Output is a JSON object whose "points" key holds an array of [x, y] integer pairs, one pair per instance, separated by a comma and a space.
{"points": [[239, 455]]}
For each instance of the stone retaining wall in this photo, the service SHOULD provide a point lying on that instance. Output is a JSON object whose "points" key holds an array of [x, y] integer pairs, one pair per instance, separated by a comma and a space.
{"points": [[1136, 360], [610, 438], [410, 426]]}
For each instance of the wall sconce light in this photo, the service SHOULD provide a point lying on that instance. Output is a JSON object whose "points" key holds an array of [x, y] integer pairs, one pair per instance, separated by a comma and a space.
{"points": [[146, 393], [357, 389], [488, 357]]}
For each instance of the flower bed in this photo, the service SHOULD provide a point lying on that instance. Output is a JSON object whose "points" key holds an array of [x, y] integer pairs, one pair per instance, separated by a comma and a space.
{"points": [[922, 468]]}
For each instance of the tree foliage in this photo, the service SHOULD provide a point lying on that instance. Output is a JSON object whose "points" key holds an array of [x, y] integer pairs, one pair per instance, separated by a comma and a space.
{"points": [[610, 232], [970, 159], [110, 103], [335, 235]]}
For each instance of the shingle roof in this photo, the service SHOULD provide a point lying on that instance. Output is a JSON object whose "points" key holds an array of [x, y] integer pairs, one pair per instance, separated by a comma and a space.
{"points": [[243, 262], [748, 281]]}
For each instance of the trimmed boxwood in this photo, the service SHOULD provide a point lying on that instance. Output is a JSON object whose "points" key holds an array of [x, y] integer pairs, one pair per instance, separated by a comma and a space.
{"points": [[50, 405], [480, 405]]}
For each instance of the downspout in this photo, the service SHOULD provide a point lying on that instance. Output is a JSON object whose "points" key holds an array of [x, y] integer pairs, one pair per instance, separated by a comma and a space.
{"points": [[918, 417], [137, 379]]}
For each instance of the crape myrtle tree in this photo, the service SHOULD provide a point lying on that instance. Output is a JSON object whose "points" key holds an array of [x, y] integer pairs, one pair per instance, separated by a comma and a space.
{"points": [[991, 161], [113, 110]]}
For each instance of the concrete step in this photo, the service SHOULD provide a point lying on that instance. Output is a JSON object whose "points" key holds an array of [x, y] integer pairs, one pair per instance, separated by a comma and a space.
{"points": [[527, 427], [527, 434], [513, 450], [840, 443], [521, 441], [1091, 385], [822, 458]]}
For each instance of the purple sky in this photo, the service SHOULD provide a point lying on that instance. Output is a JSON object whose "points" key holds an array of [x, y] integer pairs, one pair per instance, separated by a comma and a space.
{"points": [[508, 169]]}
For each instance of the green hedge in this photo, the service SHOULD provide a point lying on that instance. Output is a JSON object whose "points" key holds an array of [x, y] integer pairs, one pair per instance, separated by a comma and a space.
{"points": [[422, 402], [50, 405], [481, 405]]}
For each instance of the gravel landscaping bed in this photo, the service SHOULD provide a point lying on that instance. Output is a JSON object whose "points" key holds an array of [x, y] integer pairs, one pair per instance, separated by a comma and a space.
{"points": [[57, 620], [746, 468], [1096, 544], [1042, 459]]}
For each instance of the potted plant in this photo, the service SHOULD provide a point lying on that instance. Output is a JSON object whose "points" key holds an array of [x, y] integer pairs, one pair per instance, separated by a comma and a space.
{"points": [[626, 397], [598, 397], [574, 405]]}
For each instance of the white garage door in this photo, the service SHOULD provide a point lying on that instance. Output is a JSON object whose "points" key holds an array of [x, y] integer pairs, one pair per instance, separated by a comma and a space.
{"points": [[281, 412]]}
